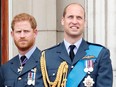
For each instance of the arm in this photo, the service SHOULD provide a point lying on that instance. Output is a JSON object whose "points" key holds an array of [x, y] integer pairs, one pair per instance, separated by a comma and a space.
{"points": [[1, 78], [105, 74]]}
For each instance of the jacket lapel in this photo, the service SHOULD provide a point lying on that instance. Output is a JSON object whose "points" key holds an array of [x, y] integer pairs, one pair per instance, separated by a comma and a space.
{"points": [[79, 55], [81, 51], [32, 62], [15, 64], [63, 53]]}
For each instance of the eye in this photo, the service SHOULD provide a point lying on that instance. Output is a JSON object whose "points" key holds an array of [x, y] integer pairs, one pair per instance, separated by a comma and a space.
{"points": [[79, 17], [26, 31], [71, 17], [18, 31]]}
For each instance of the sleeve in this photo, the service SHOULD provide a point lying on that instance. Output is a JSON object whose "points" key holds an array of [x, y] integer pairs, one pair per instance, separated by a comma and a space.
{"points": [[105, 73], [1, 78]]}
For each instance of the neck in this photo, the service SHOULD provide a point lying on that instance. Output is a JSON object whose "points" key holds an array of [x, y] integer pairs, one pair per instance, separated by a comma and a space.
{"points": [[72, 40], [24, 51]]}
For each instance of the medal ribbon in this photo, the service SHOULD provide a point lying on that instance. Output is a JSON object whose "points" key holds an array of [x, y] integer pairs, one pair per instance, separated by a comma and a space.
{"points": [[31, 77]]}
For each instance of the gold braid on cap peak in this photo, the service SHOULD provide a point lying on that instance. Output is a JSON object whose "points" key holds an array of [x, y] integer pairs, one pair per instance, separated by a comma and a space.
{"points": [[60, 80]]}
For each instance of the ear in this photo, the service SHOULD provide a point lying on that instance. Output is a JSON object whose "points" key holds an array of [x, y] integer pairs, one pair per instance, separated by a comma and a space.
{"points": [[62, 21], [85, 24], [12, 33], [36, 32]]}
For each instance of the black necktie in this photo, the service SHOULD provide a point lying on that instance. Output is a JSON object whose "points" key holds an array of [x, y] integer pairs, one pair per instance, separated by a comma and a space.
{"points": [[71, 52], [23, 60]]}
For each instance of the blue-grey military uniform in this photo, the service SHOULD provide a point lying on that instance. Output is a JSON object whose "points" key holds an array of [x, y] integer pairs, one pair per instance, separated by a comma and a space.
{"points": [[10, 77], [102, 70]]}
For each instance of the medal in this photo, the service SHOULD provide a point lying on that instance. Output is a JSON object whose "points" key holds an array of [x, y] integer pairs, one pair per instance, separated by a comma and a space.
{"points": [[86, 70], [31, 77], [90, 69], [20, 69], [88, 82], [88, 66]]}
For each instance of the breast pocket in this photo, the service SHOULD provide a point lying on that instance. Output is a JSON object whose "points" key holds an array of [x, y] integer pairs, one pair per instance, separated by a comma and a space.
{"points": [[9, 83]]}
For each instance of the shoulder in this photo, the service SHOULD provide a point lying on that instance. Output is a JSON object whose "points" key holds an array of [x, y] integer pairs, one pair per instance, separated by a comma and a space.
{"points": [[37, 51], [95, 44], [53, 47], [98, 45], [100, 50], [7, 64]]}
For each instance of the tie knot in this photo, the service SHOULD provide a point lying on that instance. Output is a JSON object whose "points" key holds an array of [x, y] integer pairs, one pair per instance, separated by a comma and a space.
{"points": [[23, 60], [72, 47], [71, 53]]}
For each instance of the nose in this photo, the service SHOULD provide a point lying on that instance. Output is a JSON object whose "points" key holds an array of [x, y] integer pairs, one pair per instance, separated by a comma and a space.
{"points": [[22, 34], [74, 21]]}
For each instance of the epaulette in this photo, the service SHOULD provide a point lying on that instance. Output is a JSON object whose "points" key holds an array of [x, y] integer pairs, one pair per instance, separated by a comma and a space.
{"points": [[52, 47]]}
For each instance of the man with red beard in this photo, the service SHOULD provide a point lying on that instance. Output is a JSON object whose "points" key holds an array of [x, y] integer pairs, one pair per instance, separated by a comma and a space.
{"points": [[23, 70], [85, 64]]}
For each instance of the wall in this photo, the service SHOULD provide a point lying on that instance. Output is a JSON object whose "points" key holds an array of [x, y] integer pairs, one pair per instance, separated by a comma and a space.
{"points": [[45, 14]]}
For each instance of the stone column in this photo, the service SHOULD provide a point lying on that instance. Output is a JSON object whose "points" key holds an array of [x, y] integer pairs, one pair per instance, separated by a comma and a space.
{"points": [[111, 34], [101, 19]]}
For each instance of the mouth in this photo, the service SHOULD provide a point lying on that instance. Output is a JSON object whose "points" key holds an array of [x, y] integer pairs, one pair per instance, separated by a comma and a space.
{"points": [[22, 41], [74, 27]]}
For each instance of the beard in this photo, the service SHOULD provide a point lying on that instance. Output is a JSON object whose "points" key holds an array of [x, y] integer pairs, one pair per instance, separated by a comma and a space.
{"points": [[24, 45]]}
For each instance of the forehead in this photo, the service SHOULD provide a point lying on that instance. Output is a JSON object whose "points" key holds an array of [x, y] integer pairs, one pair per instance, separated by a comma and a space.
{"points": [[22, 25], [75, 9], [18, 23]]}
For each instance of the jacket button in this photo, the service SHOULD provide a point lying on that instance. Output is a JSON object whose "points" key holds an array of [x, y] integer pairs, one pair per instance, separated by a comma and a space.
{"points": [[72, 67], [19, 78], [53, 74]]}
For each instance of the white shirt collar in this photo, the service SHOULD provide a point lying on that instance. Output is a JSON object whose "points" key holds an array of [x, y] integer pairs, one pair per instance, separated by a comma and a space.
{"points": [[77, 44], [29, 53]]}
